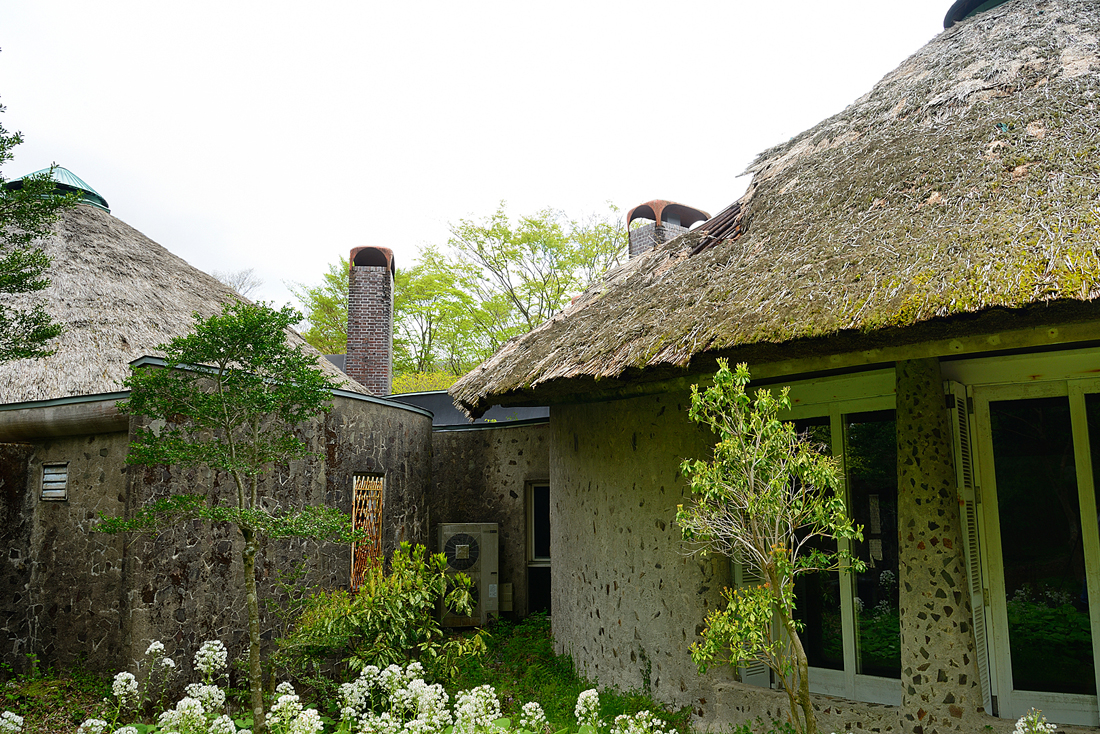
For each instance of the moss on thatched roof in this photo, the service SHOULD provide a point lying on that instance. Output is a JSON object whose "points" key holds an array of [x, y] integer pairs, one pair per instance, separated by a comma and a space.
{"points": [[967, 179], [118, 295]]}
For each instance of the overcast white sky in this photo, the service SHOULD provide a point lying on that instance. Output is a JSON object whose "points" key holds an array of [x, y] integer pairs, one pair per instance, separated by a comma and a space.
{"points": [[279, 135]]}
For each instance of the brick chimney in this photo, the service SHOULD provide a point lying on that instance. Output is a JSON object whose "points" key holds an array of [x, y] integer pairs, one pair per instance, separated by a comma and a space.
{"points": [[370, 319], [669, 220]]}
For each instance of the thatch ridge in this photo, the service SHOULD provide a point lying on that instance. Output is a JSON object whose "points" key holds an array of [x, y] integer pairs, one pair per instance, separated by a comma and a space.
{"points": [[966, 179], [118, 295]]}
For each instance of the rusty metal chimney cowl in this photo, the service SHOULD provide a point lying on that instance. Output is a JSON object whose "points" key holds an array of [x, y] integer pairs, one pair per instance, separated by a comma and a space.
{"points": [[370, 319], [669, 220]]}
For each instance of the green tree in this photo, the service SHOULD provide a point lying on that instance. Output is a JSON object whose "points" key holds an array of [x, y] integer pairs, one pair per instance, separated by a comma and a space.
{"points": [[522, 275], [457, 305], [26, 214], [229, 398], [326, 309], [432, 328], [762, 499]]}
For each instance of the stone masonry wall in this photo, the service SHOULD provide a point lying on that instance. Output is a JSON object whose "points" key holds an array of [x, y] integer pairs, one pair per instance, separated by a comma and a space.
{"points": [[70, 593], [370, 328], [63, 587], [940, 690], [481, 475], [186, 583], [628, 603]]}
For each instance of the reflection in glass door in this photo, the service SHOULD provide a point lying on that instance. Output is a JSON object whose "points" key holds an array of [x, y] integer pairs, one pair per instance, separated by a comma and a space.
{"points": [[1039, 518]]}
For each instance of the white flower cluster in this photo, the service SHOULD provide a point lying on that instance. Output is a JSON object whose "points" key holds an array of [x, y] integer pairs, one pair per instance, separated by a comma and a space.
{"points": [[1033, 722], [533, 718], [394, 701], [476, 709], [212, 698], [156, 652], [587, 710], [92, 726], [288, 716], [127, 730], [10, 723], [643, 722], [188, 716], [211, 658], [125, 689], [223, 725]]}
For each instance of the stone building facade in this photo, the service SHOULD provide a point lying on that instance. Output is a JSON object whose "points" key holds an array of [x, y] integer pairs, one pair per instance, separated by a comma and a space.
{"points": [[72, 593]]}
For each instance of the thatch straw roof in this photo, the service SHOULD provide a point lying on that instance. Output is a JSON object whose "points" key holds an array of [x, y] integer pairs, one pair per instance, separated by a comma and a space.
{"points": [[118, 295], [967, 179]]}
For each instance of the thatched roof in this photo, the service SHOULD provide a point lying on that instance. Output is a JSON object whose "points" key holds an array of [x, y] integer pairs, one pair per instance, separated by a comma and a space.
{"points": [[118, 295], [967, 179]]}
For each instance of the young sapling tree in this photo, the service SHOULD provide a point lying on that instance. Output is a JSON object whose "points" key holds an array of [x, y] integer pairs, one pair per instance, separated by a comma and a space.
{"points": [[763, 499], [229, 397]]}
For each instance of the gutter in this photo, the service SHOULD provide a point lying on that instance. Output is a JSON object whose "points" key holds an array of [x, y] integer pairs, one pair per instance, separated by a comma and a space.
{"points": [[75, 416]]}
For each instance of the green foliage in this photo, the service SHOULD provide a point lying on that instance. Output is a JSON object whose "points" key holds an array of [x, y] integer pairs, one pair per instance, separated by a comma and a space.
{"points": [[455, 306], [230, 397], [391, 619], [521, 665], [762, 499], [26, 214], [522, 275], [326, 309], [53, 701], [422, 381]]}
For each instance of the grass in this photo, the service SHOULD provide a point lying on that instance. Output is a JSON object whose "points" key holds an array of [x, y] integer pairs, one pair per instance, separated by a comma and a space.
{"points": [[55, 701], [522, 666]]}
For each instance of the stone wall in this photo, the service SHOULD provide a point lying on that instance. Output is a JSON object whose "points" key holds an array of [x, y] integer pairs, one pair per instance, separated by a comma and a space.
{"points": [[481, 475], [71, 593], [63, 588], [186, 583], [628, 603]]}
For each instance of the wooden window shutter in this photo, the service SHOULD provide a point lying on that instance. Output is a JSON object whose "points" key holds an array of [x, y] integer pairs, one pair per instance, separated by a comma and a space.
{"points": [[366, 514], [968, 509]]}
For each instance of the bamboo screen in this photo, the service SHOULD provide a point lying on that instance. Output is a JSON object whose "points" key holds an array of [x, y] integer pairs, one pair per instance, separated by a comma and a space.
{"points": [[366, 513]]}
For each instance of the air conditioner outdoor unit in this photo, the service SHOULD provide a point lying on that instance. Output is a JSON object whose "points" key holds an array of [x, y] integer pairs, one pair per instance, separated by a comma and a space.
{"points": [[471, 548]]}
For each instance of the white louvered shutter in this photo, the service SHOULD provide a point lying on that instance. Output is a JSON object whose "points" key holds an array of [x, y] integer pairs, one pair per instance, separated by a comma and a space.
{"points": [[757, 673], [968, 509]]}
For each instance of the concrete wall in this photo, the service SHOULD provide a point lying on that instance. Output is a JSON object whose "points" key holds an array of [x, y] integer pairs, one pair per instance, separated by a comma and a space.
{"points": [[481, 475]]}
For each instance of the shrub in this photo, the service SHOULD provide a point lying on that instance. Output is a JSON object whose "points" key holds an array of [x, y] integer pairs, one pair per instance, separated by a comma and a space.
{"points": [[390, 620]]}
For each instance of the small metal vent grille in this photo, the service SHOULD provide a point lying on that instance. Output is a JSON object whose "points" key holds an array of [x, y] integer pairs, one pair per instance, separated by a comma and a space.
{"points": [[55, 481]]}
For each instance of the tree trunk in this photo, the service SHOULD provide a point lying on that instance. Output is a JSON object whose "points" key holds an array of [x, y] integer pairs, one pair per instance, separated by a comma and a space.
{"points": [[255, 674]]}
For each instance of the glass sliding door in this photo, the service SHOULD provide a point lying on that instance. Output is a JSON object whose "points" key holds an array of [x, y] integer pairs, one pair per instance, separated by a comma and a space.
{"points": [[1037, 446]]}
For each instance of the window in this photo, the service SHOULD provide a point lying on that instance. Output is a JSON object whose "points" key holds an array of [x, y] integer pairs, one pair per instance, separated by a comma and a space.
{"points": [[366, 514], [538, 547], [1030, 427], [851, 621], [55, 482]]}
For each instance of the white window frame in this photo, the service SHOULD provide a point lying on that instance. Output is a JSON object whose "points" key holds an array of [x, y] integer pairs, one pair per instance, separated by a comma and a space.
{"points": [[836, 397], [1068, 374]]}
